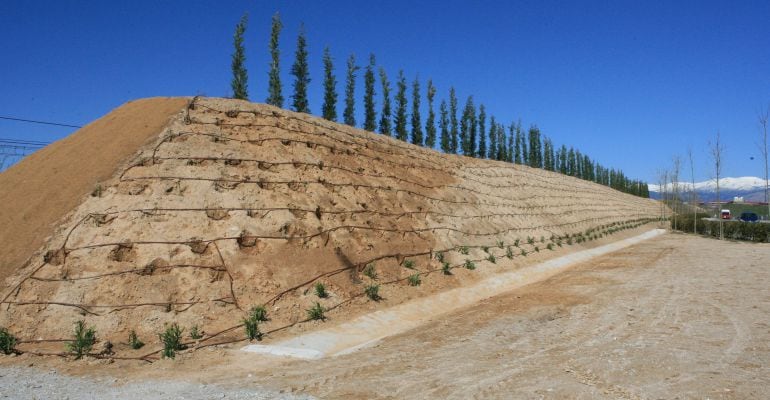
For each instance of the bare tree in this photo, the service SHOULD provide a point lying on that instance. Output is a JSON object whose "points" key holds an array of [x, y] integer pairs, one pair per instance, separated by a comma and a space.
{"points": [[662, 187], [763, 150], [717, 149], [676, 201], [693, 194]]}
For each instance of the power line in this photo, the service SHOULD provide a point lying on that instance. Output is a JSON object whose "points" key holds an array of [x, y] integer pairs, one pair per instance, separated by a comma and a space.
{"points": [[14, 142], [39, 122]]}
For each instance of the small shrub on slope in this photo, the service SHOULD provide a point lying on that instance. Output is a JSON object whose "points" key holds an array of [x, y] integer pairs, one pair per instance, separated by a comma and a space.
{"points": [[320, 290], [7, 341], [370, 271], [133, 340], [83, 340], [316, 312], [372, 292], [446, 268], [172, 341]]}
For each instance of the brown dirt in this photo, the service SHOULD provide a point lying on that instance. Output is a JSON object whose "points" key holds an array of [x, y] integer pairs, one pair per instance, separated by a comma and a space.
{"points": [[674, 317], [47, 185], [237, 204]]}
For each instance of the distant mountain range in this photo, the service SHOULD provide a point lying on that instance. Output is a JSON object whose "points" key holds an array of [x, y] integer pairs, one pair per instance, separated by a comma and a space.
{"points": [[749, 187]]}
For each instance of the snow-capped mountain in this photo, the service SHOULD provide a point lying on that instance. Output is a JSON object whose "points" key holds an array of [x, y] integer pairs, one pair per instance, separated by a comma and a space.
{"points": [[749, 187]]}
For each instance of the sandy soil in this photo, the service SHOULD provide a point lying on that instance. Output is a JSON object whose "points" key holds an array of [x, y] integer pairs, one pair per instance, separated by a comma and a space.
{"points": [[44, 187], [234, 204], [674, 317]]}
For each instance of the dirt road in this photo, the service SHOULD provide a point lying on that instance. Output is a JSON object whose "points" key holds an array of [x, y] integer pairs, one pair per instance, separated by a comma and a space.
{"points": [[677, 316], [674, 317]]}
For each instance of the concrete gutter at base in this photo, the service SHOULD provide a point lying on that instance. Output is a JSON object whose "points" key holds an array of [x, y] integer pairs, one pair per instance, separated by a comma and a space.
{"points": [[368, 329]]}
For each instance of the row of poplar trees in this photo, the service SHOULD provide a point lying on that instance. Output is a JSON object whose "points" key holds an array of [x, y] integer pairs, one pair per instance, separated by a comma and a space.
{"points": [[474, 134]]}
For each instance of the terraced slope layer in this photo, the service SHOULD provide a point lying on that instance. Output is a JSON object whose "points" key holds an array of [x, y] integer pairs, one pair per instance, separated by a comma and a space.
{"points": [[237, 204], [39, 191]]}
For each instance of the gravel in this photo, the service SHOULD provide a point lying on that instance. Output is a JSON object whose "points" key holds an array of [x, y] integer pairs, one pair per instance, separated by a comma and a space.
{"points": [[32, 383]]}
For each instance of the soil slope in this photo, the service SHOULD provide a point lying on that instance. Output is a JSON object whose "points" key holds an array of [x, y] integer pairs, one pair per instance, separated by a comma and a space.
{"points": [[236, 204], [41, 189]]}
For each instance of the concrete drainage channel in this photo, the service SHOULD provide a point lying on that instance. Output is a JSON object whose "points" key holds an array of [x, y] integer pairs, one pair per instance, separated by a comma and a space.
{"points": [[368, 329]]}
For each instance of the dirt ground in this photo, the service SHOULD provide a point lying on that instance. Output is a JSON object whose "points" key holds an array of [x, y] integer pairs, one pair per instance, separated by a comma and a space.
{"points": [[233, 205], [674, 317]]}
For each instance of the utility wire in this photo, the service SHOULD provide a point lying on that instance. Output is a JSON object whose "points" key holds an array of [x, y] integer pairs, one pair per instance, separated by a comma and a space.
{"points": [[39, 122], [14, 142]]}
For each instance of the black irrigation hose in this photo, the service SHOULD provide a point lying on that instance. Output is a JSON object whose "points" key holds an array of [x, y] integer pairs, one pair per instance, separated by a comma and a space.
{"points": [[608, 228], [560, 185], [331, 127]]}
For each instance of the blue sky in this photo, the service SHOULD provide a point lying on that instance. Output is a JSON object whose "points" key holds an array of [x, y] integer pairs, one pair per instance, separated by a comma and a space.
{"points": [[630, 83]]}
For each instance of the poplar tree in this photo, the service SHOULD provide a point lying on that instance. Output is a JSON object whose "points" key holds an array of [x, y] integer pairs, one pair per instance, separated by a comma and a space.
{"points": [[350, 90], [239, 83], [548, 155], [301, 73], [453, 133], [524, 151], [443, 122], [370, 115], [416, 123], [430, 124], [385, 126], [468, 128], [578, 164], [507, 143], [482, 132], [329, 109], [399, 120], [535, 150], [274, 96], [509, 148], [517, 147], [563, 160], [492, 139]]}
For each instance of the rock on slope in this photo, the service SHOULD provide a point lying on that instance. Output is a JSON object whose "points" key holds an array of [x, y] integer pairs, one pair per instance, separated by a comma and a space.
{"points": [[235, 204]]}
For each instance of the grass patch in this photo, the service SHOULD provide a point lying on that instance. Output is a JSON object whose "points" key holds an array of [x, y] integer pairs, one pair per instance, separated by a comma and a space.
{"points": [[509, 253], [414, 280], [83, 340], [251, 325], [259, 313], [464, 250], [469, 265], [492, 259], [440, 257], [409, 264]]}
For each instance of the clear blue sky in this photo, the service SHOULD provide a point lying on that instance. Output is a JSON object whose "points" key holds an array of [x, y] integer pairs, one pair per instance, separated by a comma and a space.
{"points": [[629, 83]]}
